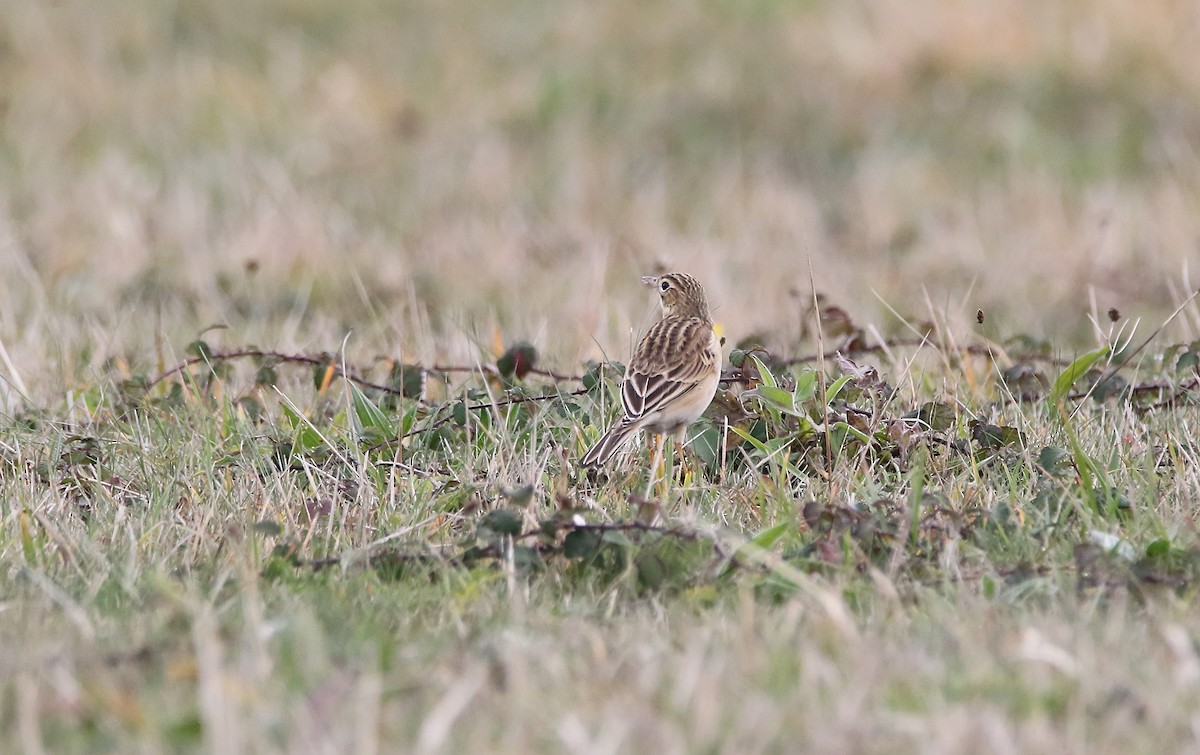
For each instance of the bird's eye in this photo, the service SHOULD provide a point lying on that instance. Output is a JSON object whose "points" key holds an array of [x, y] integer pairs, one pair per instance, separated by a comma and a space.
{"points": [[665, 285]]}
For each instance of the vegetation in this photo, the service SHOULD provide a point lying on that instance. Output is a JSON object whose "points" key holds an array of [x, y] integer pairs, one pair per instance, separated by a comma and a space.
{"points": [[307, 311]]}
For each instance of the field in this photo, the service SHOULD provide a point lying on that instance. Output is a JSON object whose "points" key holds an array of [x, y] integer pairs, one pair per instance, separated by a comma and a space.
{"points": [[308, 310]]}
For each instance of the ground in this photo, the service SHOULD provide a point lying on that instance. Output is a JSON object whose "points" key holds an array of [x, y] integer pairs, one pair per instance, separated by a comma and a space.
{"points": [[308, 309]]}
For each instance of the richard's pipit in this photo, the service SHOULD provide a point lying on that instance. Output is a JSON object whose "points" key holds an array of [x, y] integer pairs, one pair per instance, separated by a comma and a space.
{"points": [[674, 371]]}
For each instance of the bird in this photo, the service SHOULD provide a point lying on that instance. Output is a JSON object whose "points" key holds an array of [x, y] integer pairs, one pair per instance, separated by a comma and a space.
{"points": [[673, 374]]}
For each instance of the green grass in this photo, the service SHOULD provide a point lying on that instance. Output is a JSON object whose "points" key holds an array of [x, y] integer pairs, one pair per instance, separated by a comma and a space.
{"points": [[983, 550]]}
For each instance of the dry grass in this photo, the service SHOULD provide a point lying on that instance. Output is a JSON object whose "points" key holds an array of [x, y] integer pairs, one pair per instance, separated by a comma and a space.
{"points": [[429, 177]]}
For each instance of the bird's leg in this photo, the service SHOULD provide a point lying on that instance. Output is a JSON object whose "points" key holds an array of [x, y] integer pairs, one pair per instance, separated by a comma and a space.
{"points": [[658, 452], [684, 456], [668, 480]]}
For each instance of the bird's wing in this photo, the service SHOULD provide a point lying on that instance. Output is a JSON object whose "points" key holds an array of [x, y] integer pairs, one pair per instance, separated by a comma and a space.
{"points": [[672, 359]]}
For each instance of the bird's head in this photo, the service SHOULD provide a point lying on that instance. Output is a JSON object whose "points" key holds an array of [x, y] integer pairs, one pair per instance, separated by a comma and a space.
{"points": [[680, 294]]}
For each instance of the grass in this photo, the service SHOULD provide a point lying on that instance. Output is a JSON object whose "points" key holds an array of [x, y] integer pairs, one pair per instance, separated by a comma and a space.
{"points": [[983, 549]]}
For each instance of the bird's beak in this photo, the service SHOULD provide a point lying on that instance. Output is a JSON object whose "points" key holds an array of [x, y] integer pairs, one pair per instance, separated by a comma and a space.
{"points": [[650, 280]]}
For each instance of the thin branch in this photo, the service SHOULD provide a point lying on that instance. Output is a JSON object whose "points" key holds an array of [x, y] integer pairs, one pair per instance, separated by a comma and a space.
{"points": [[1114, 369], [329, 361], [420, 553], [731, 376], [976, 349], [493, 371], [239, 354], [1185, 388], [492, 405]]}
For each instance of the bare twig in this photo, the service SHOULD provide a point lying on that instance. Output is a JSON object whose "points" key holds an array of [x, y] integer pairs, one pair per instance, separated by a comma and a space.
{"points": [[330, 361], [976, 349], [420, 553], [496, 405], [1114, 369], [493, 371], [733, 376]]}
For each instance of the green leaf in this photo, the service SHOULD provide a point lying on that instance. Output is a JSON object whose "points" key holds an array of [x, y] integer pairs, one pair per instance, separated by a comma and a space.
{"points": [[994, 436], [268, 528], [306, 438], [806, 386], [669, 561], [591, 378], [707, 443], [199, 349], [1110, 501], [1054, 460], [519, 496], [409, 378], [770, 449], [321, 372], [836, 387], [989, 587], [653, 570], [768, 537], [500, 522], [517, 361], [616, 537], [251, 406], [1024, 380], [408, 420], [936, 414], [371, 419], [28, 548], [1104, 388], [581, 544], [525, 557], [1188, 360], [762, 541], [277, 568], [746, 436], [778, 398], [187, 730], [1074, 371], [839, 431], [1087, 468], [266, 376], [1158, 549], [763, 373]]}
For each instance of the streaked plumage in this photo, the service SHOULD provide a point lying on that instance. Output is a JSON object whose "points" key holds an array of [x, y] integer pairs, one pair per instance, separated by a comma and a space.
{"points": [[674, 371]]}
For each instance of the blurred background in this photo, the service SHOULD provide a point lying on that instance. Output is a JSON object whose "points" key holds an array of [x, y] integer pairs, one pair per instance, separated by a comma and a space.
{"points": [[431, 173]]}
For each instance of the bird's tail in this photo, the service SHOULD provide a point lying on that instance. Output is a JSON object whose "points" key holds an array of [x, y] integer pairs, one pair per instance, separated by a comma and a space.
{"points": [[612, 441]]}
